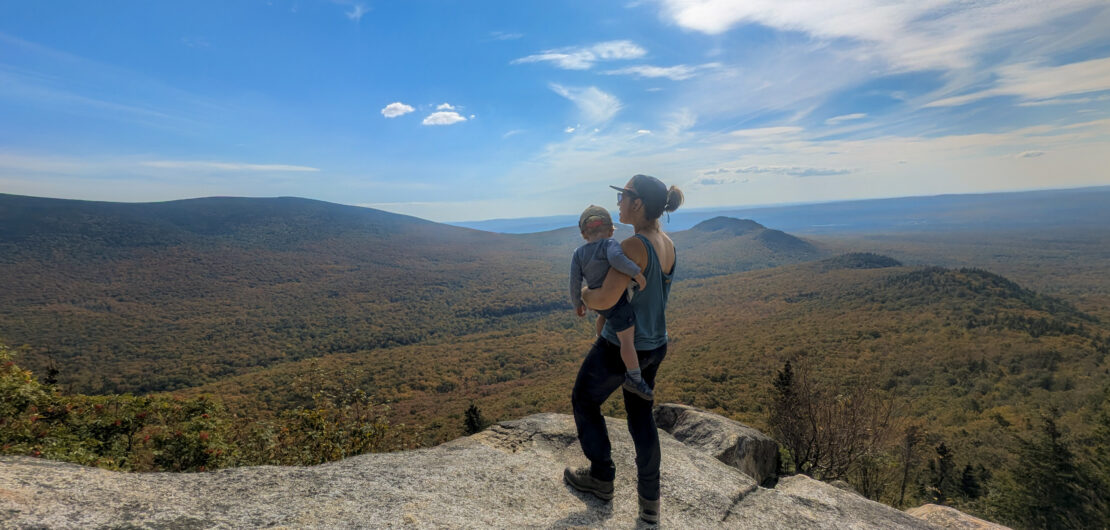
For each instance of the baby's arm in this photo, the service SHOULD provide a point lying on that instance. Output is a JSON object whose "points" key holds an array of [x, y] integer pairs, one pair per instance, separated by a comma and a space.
{"points": [[619, 261], [576, 286]]}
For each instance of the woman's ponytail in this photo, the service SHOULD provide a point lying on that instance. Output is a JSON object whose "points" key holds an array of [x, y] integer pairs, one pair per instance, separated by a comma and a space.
{"points": [[674, 199]]}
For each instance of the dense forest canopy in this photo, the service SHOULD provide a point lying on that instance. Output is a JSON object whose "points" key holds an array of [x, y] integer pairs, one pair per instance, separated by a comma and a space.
{"points": [[305, 318]]}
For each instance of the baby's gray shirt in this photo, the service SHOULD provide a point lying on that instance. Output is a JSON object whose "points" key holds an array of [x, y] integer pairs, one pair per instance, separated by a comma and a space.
{"points": [[592, 261]]}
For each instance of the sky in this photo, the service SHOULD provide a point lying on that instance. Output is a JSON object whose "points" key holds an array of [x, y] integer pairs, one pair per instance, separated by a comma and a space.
{"points": [[470, 110]]}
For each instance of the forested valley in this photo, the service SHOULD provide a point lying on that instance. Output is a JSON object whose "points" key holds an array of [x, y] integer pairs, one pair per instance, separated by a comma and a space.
{"points": [[201, 334]]}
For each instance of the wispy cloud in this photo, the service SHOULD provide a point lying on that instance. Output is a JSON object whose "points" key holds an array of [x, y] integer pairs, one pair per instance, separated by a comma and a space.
{"points": [[445, 106], [501, 35], [1065, 101], [443, 118], [766, 131], [1035, 82], [793, 171], [356, 9], [595, 106], [914, 35], [584, 58], [67, 83], [1031, 154], [222, 166], [196, 42], [847, 117], [676, 73], [717, 181], [396, 109]]}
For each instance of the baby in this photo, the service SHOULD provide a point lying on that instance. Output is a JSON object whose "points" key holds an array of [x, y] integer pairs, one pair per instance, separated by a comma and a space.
{"points": [[592, 261]]}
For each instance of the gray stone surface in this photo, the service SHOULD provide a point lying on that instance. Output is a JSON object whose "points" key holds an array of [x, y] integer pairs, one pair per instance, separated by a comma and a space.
{"points": [[509, 476], [752, 452], [949, 517]]}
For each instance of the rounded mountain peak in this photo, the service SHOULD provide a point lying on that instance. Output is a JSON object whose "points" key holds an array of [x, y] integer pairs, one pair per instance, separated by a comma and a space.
{"points": [[729, 225]]}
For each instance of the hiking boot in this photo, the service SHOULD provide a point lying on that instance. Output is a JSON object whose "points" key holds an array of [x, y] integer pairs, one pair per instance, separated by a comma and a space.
{"points": [[638, 387], [581, 480], [649, 510]]}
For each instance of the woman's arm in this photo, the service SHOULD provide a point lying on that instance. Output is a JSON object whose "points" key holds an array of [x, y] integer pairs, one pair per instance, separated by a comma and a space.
{"points": [[616, 282]]}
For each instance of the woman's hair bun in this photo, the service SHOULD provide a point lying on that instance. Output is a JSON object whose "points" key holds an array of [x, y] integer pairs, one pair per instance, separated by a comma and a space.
{"points": [[674, 199]]}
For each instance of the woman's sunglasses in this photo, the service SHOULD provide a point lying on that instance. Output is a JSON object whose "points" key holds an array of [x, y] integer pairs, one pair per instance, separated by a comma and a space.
{"points": [[621, 192]]}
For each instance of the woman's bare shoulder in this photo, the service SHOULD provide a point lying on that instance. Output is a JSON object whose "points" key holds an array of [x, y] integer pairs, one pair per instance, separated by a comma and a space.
{"points": [[634, 248]]}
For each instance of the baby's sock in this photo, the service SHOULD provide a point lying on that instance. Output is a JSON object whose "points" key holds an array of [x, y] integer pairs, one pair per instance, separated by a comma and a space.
{"points": [[634, 374]]}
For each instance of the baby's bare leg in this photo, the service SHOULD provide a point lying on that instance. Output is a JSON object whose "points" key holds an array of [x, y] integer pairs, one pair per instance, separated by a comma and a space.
{"points": [[601, 325], [628, 348]]}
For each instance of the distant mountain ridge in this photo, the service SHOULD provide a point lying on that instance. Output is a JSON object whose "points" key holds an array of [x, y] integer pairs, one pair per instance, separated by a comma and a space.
{"points": [[724, 245], [284, 220], [1085, 207]]}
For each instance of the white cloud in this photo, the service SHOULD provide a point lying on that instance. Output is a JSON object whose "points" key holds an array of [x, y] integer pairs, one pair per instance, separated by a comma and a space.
{"points": [[766, 131], [356, 12], [643, 131], [443, 118], [912, 35], [716, 181], [1031, 154], [1065, 101], [445, 106], [569, 130], [584, 58], [222, 166], [846, 117], [595, 106], [513, 132], [1033, 82], [676, 73], [618, 49], [679, 122], [396, 109], [793, 171], [501, 35]]}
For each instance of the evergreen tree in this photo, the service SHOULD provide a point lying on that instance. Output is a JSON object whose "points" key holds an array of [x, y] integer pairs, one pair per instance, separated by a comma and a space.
{"points": [[52, 372], [941, 482], [969, 483], [474, 422], [787, 422], [1048, 489]]}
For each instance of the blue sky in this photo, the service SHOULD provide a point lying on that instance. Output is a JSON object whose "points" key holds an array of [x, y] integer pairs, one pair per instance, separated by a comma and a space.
{"points": [[457, 111]]}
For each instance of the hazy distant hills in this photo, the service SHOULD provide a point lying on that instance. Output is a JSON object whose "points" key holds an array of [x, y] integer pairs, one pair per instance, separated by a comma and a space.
{"points": [[1036, 210], [157, 296], [31, 223], [143, 297]]}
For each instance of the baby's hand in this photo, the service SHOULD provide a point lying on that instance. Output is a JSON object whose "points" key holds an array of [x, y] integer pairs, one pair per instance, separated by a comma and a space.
{"points": [[580, 310], [640, 281]]}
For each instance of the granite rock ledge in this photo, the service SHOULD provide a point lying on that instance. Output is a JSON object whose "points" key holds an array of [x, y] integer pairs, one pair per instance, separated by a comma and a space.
{"points": [[507, 476]]}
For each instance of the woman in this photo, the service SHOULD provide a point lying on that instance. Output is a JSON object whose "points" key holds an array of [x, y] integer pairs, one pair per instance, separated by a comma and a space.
{"points": [[642, 201]]}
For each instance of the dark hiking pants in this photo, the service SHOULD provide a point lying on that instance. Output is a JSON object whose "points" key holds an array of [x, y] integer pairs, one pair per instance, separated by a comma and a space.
{"points": [[603, 372]]}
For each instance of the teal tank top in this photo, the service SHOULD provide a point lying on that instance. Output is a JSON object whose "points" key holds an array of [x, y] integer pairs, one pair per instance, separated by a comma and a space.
{"points": [[649, 305]]}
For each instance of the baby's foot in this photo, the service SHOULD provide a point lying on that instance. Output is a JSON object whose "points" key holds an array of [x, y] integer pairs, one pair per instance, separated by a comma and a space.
{"points": [[638, 387]]}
